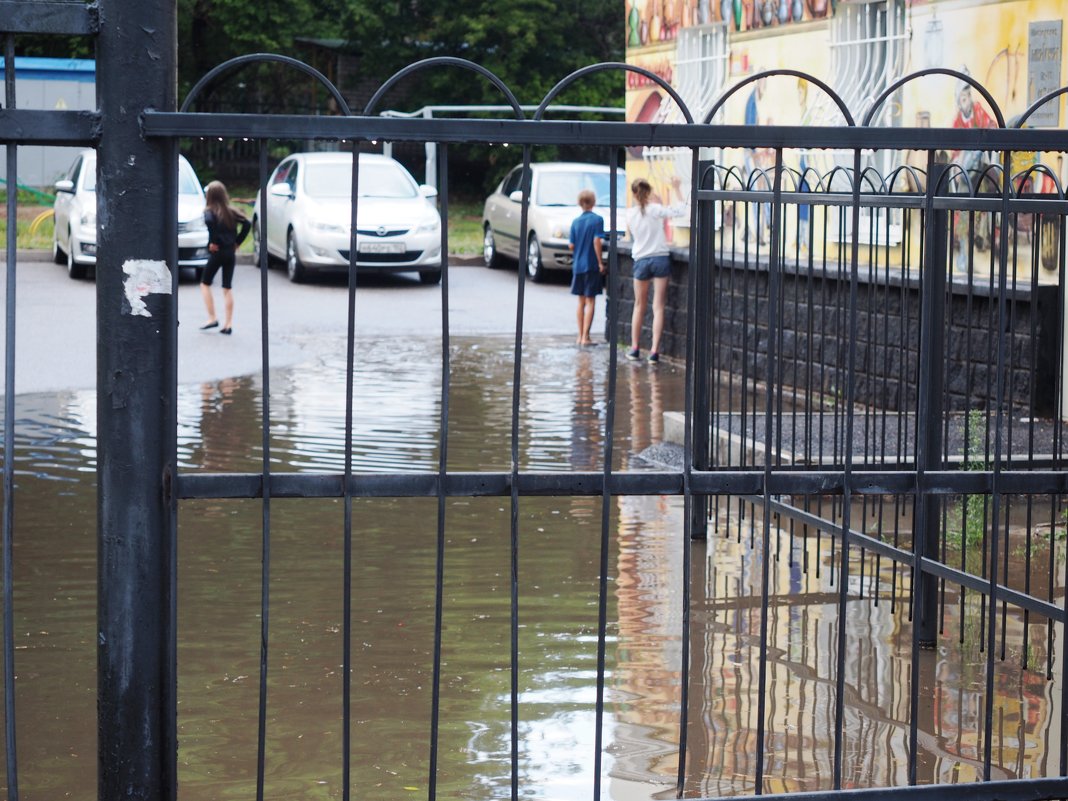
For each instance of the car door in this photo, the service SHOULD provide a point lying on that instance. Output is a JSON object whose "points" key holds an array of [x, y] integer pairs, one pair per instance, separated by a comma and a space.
{"points": [[278, 206], [505, 215], [61, 209]]}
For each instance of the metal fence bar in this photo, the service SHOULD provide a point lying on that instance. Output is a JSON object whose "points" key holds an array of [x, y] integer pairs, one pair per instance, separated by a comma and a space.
{"points": [[443, 466], [265, 505], [622, 134], [614, 281], [514, 537], [10, 750], [350, 379]]}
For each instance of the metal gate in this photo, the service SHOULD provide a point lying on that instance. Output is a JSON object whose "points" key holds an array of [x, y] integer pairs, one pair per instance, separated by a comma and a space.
{"points": [[736, 455]]}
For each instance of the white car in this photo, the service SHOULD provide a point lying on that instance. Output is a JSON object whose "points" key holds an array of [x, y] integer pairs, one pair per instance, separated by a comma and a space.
{"points": [[74, 210], [554, 193], [309, 211]]}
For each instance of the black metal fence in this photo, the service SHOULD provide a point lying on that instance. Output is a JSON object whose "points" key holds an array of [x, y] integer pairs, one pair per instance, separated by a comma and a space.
{"points": [[809, 415]]}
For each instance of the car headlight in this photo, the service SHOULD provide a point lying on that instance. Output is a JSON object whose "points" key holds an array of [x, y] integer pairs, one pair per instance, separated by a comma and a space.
{"points": [[332, 228], [429, 227], [558, 232], [195, 224], [88, 218]]}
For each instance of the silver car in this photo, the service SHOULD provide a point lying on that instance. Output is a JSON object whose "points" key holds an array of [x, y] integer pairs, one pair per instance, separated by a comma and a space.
{"points": [[554, 205], [74, 217], [309, 209]]}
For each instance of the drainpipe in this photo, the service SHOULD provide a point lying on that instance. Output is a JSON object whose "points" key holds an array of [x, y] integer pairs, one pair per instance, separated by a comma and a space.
{"points": [[136, 333]]}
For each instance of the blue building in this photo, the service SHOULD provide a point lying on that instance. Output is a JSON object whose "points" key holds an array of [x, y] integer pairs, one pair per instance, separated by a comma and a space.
{"points": [[50, 83]]}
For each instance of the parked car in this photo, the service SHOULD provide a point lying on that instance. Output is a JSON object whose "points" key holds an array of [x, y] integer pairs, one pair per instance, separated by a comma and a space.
{"points": [[554, 188], [309, 210], [74, 217]]}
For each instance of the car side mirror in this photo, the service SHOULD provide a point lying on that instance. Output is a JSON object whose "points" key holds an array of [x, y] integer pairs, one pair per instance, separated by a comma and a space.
{"points": [[516, 196], [64, 186], [281, 190], [428, 191]]}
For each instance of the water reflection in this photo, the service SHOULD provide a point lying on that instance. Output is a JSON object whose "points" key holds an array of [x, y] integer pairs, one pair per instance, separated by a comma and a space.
{"points": [[563, 411]]}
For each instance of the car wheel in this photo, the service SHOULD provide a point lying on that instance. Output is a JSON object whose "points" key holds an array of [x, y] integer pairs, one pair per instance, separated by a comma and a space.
{"points": [[296, 271], [74, 270], [255, 234], [58, 256], [489, 249], [535, 268], [430, 276]]}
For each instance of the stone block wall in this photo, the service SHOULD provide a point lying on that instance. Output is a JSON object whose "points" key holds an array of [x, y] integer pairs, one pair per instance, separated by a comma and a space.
{"points": [[814, 336]]}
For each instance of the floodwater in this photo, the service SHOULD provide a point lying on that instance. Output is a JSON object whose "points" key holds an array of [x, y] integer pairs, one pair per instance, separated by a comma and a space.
{"points": [[562, 416]]}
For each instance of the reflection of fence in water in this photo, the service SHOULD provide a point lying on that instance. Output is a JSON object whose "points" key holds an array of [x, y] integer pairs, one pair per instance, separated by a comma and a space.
{"points": [[800, 647]]}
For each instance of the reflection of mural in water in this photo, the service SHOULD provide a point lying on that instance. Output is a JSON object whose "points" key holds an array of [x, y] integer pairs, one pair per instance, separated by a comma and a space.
{"points": [[802, 657]]}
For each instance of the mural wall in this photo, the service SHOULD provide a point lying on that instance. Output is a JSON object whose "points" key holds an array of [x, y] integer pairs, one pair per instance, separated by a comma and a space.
{"points": [[1015, 48]]}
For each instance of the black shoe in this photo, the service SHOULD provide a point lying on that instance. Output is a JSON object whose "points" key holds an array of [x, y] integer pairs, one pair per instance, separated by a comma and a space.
{"points": [[226, 330], [206, 326]]}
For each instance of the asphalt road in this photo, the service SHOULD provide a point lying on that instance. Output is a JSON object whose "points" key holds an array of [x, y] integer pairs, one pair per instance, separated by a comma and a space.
{"points": [[55, 332]]}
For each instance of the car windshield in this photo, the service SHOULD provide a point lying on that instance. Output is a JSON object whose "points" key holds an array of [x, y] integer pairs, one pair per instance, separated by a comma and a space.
{"points": [[562, 188], [187, 180], [376, 180], [89, 174]]}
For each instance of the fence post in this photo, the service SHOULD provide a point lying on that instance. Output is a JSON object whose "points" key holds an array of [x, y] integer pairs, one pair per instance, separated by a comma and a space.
{"points": [[136, 54], [931, 403], [700, 426]]}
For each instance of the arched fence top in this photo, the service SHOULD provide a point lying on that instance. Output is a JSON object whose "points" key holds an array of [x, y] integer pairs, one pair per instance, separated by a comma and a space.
{"points": [[771, 73], [442, 61], [1037, 105], [605, 67], [1025, 175], [912, 76], [264, 58], [953, 172], [918, 177]]}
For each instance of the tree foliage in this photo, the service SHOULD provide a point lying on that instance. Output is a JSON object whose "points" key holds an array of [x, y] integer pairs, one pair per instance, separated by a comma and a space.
{"points": [[529, 44]]}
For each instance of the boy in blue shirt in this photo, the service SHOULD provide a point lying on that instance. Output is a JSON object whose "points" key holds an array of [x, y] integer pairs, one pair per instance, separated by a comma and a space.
{"points": [[587, 266]]}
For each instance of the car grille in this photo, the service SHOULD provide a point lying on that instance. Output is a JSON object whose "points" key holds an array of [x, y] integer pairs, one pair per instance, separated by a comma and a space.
{"points": [[383, 258], [388, 232]]}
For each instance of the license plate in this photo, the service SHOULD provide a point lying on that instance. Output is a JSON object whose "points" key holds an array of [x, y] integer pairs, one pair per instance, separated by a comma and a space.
{"points": [[381, 247]]}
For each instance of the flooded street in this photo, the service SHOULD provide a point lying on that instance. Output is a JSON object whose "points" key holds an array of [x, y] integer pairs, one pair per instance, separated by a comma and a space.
{"points": [[396, 429]]}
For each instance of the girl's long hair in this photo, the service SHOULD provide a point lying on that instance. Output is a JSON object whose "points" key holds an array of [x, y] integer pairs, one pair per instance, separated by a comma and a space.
{"points": [[217, 201], [641, 189]]}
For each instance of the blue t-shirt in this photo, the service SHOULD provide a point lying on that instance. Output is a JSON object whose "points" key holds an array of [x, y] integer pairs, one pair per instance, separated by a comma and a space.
{"points": [[585, 228]]}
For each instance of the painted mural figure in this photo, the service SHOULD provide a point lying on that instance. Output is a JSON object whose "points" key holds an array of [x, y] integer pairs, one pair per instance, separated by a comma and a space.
{"points": [[971, 115], [755, 160]]}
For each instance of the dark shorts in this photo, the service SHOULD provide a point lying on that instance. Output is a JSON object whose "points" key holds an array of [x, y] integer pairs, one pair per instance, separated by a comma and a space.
{"points": [[652, 267], [223, 259], [588, 284]]}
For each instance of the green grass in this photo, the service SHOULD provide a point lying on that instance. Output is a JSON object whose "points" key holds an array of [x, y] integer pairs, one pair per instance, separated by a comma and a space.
{"points": [[465, 228], [39, 239]]}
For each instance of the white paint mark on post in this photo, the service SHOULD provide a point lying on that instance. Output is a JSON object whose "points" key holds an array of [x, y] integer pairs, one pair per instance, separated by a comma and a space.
{"points": [[145, 277]]}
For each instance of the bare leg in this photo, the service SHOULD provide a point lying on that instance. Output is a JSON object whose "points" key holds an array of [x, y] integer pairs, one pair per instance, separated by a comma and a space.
{"points": [[579, 316], [209, 302], [228, 304], [587, 320], [641, 296], [660, 286]]}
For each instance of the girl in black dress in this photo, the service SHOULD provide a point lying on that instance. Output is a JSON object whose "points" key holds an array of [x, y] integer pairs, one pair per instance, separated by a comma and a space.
{"points": [[227, 229]]}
